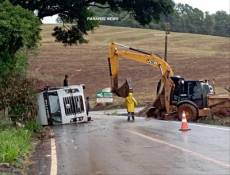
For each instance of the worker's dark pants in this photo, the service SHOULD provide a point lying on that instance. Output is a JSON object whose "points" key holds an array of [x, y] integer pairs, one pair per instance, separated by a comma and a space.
{"points": [[131, 114]]}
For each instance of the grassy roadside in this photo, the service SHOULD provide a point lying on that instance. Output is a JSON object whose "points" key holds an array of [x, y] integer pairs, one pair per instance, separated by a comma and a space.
{"points": [[16, 143]]}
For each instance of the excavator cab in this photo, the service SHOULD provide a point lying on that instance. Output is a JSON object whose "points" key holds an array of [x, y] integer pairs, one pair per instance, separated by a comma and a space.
{"points": [[194, 91], [190, 96]]}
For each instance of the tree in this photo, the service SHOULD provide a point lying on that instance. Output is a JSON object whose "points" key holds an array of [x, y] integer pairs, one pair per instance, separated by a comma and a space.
{"points": [[77, 12], [222, 23], [19, 30], [208, 25], [197, 20]]}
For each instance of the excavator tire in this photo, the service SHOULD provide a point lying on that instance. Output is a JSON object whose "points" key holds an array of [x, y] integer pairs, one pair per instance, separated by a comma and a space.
{"points": [[190, 110]]}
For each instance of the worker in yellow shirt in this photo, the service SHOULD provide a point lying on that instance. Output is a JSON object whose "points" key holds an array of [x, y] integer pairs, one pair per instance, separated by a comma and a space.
{"points": [[131, 103]]}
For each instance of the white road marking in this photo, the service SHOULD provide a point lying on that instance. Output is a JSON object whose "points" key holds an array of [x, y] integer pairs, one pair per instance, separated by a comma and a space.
{"points": [[53, 167], [223, 164]]}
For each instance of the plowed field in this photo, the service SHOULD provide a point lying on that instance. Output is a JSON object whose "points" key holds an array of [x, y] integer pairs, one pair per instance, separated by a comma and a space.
{"points": [[191, 56]]}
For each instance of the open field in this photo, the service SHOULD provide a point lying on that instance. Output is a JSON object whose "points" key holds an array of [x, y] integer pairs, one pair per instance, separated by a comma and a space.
{"points": [[192, 56]]}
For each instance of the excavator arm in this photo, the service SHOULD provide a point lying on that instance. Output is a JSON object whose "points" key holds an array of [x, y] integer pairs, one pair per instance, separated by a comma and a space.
{"points": [[117, 51]]}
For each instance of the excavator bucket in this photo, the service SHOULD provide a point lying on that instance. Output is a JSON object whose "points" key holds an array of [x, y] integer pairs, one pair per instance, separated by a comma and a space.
{"points": [[158, 105], [123, 91], [154, 109], [162, 105]]}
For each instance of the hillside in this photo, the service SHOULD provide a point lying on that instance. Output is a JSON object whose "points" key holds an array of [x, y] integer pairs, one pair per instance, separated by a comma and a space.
{"points": [[192, 56]]}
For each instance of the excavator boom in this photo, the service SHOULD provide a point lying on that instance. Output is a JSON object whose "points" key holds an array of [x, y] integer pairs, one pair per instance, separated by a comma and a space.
{"points": [[117, 51]]}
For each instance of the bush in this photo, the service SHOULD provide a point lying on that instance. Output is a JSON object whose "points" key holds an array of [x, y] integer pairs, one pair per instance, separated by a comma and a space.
{"points": [[19, 33], [18, 94]]}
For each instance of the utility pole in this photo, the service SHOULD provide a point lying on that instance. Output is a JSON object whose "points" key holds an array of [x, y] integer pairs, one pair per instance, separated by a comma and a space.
{"points": [[167, 32]]}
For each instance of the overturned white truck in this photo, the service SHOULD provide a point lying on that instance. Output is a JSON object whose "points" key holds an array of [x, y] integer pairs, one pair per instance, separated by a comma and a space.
{"points": [[62, 105]]}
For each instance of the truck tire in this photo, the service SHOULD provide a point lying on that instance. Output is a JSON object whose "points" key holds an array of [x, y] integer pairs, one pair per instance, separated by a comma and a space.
{"points": [[190, 110]]}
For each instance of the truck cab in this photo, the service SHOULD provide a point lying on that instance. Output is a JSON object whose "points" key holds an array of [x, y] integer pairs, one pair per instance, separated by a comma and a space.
{"points": [[61, 105]]}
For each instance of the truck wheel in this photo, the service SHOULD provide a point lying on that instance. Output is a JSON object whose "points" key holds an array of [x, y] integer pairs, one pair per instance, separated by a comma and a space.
{"points": [[190, 110]]}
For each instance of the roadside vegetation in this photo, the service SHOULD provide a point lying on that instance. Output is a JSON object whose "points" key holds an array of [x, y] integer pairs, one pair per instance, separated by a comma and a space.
{"points": [[16, 142], [19, 34]]}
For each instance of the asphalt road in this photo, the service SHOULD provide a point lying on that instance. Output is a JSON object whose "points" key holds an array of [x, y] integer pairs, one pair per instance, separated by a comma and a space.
{"points": [[110, 145]]}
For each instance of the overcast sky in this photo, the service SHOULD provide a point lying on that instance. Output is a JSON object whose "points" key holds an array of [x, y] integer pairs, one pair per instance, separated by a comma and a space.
{"points": [[208, 5], [205, 5]]}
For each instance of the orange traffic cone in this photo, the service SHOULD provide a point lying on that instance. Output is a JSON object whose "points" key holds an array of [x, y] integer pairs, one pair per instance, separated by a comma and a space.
{"points": [[184, 123]]}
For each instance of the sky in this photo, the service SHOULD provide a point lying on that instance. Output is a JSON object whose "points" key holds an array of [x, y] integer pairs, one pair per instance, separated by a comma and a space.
{"points": [[205, 5], [208, 5]]}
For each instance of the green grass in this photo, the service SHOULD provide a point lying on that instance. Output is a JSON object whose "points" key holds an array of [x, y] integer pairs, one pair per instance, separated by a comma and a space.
{"points": [[33, 126], [4, 124], [15, 143]]}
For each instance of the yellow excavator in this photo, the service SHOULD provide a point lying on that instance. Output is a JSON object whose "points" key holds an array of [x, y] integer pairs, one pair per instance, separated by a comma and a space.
{"points": [[174, 93]]}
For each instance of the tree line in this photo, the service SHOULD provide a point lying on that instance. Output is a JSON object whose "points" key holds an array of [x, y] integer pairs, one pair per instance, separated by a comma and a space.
{"points": [[184, 19]]}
